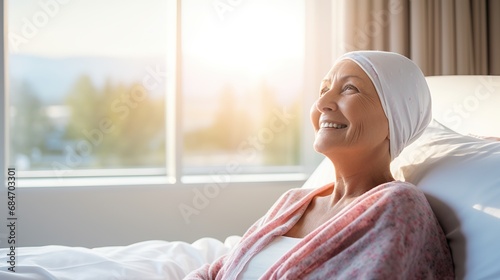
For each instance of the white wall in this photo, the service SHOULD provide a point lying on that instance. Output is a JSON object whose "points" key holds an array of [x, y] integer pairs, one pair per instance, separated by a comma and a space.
{"points": [[104, 216]]}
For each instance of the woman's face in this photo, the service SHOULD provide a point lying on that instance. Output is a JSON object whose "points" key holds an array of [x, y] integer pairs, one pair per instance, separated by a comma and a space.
{"points": [[348, 115]]}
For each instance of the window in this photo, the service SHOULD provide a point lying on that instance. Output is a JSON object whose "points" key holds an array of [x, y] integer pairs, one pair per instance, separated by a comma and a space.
{"points": [[86, 85], [241, 86], [121, 88]]}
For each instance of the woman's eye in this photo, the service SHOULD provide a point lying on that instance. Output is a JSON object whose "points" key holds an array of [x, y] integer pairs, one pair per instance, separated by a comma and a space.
{"points": [[324, 90], [349, 88]]}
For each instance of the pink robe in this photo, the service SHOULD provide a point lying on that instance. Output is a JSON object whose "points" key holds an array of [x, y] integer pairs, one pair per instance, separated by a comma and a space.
{"points": [[390, 232]]}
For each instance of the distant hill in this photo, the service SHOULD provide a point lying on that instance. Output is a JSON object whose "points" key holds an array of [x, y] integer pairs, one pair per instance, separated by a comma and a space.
{"points": [[52, 78]]}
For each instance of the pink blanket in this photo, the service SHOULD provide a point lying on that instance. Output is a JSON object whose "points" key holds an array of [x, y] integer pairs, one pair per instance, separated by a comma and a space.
{"points": [[389, 232]]}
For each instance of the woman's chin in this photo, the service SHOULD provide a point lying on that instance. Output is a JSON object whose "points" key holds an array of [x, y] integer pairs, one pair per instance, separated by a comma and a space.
{"points": [[325, 149]]}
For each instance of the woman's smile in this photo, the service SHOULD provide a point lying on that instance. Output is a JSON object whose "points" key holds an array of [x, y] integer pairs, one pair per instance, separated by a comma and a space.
{"points": [[334, 125]]}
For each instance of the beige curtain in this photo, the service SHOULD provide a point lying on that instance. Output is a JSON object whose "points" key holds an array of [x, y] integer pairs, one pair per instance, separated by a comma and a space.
{"points": [[444, 37]]}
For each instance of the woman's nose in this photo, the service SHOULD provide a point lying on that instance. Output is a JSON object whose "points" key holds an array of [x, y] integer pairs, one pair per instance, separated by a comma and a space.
{"points": [[327, 102]]}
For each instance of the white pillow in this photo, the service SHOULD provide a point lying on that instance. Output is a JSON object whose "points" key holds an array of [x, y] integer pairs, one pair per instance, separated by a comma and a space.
{"points": [[460, 176]]}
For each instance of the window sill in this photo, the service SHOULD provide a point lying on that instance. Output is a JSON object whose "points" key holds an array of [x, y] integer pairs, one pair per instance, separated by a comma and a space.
{"points": [[159, 180]]}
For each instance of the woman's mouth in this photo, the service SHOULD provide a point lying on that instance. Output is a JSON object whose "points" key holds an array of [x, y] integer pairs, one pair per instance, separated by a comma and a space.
{"points": [[332, 125]]}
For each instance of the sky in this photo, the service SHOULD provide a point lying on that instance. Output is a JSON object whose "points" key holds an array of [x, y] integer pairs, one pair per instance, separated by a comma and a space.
{"points": [[236, 43], [89, 27], [213, 30]]}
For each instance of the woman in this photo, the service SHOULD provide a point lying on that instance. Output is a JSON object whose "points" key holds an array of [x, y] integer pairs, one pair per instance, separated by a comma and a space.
{"points": [[365, 225]]}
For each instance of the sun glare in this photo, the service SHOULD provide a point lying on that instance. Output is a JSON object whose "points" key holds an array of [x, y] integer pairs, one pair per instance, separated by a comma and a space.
{"points": [[250, 35], [249, 38]]}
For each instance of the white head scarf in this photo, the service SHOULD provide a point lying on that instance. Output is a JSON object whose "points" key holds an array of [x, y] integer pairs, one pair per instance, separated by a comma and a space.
{"points": [[403, 92]]}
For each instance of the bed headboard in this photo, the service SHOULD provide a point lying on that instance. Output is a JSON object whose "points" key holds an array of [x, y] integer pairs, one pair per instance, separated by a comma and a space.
{"points": [[467, 104]]}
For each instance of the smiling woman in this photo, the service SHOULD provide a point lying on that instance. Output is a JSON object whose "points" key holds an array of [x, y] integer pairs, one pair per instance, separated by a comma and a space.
{"points": [[336, 114], [364, 224]]}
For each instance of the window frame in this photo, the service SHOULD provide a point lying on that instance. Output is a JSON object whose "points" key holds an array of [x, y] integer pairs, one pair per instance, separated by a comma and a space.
{"points": [[317, 57]]}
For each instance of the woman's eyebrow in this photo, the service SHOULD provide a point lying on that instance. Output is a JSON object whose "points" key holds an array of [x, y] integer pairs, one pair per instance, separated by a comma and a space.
{"points": [[328, 81], [349, 77]]}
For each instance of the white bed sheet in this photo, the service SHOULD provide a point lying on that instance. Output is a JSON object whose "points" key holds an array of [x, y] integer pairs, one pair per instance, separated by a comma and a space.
{"points": [[148, 260]]}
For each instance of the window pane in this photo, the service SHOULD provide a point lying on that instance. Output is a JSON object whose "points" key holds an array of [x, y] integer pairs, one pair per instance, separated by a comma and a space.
{"points": [[242, 84], [87, 84]]}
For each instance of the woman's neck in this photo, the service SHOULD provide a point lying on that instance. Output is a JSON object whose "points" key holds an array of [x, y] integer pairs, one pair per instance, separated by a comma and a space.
{"points": [[356, 175]]}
